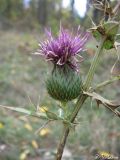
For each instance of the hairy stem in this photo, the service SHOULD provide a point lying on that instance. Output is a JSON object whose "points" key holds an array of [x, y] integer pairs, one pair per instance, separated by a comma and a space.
{"points": [[81, 99]]}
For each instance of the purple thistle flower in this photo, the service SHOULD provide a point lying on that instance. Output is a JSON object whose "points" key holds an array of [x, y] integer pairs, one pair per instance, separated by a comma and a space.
{"points": [[64, 48]]}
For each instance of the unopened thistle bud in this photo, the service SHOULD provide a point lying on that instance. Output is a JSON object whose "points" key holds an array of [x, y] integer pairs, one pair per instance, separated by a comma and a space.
{"points": [[64, 84]]}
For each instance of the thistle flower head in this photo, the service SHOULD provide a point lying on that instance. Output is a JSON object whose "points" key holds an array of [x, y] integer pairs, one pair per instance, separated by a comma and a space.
{"points": [[64, 48]]}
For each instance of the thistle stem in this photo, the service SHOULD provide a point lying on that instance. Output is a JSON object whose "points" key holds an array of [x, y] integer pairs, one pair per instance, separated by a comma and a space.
{"points": [[94, 64], [62, 143], [80, 100], [105, 83]]}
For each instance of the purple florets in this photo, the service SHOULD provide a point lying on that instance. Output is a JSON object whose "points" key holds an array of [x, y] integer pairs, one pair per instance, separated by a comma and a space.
{"points": [[64, 48]]}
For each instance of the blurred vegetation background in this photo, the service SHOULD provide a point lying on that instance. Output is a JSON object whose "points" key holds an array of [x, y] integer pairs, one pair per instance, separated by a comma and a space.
{"points": [[22, 75]]}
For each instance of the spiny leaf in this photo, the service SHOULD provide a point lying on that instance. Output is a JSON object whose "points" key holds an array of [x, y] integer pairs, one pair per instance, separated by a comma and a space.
{"points": [[107, 103], [18, 109], [102, 100], [111, 27], [51, 115], [25, 111]]}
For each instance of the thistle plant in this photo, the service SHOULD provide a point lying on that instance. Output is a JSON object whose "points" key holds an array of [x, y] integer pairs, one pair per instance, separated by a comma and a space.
{"points": [[64, 83]]}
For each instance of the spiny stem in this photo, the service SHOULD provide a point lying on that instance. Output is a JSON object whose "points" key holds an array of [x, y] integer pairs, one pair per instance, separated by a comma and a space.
{"points": [[81, 99]]}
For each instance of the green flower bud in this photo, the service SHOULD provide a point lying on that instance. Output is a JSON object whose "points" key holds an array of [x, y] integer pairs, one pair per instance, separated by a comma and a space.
{"points": [[64, 84]]}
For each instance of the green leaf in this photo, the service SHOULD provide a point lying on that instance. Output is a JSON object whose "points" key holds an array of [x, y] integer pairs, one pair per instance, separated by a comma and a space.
{"points": [[18, 109], [111, 27], [108, 44], [51, 115], [26, 112], [95, 33]]}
